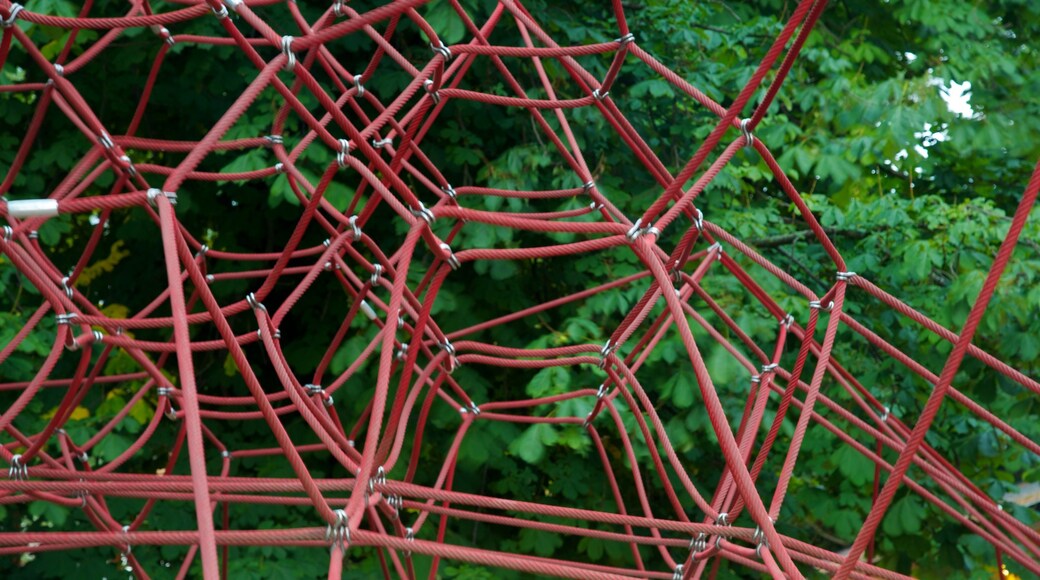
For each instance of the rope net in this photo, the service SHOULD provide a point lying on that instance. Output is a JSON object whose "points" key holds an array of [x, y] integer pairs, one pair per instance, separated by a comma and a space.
{"points": [[388, 246]]}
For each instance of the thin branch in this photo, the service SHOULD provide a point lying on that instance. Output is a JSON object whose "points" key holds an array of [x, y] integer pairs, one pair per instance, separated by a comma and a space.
{"points": [[784, 239], [988, 212], [708, 27], [803, 267]]}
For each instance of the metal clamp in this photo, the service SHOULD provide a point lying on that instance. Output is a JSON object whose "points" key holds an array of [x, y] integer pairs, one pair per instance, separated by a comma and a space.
{"points": [[277, 332], [452, 260], [678, 573], [749, 139], [677, 273], [339, 533], [319, 391], [816, 304], [65, 286], [154, 192], [124, 556], [360, 87], [65, 318], [435, 95], [377, 272], [602, 391], [344, 152], [698, 220], [846, 276], [18, 470], [721, 520], [379, 479], [254, 303], [15, 9], [626, 39], [369, 312], [8, 233], [635, 231], [604, 353], [600, 96], [409, 535], [763, 543], [699, 543], [423, 213], [380, 143], [30, 208], [449, 191], [396, 502], [448, 348], [402, 352], [273, 140], [759, 537], [354, 228], [441, 50], [163, 33], [287, 51]]}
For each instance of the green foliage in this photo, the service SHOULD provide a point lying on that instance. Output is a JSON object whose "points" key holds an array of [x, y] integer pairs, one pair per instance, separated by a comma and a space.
{"points": [[916, 197]]}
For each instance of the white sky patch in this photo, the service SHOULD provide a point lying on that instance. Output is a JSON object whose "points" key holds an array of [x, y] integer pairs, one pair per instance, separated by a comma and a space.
{"points": [[957, 97], [930, 136]]}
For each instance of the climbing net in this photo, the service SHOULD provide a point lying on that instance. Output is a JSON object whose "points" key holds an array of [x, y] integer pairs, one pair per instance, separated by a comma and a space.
{"points": [[389, 498]]}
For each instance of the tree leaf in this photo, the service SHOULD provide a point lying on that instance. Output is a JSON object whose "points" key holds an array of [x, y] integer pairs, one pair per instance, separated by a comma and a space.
{"points": [[904, 517], [853, 465], [528, 446]]}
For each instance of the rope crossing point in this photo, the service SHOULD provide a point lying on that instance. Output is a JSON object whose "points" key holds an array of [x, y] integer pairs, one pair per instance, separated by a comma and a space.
{"points": [[390, 499]]}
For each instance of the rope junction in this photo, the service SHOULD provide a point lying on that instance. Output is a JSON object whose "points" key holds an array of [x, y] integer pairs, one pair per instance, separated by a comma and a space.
{"points": [[394, 284]]}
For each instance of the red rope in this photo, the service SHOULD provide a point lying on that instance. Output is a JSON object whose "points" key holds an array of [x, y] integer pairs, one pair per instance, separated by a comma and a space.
{"points": [[377, 141]]}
